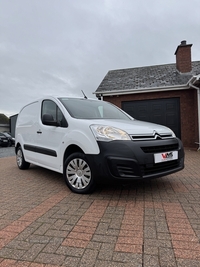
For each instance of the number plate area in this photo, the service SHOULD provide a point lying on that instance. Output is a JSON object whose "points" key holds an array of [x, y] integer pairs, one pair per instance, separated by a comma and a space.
{"points": [[165, 156]]}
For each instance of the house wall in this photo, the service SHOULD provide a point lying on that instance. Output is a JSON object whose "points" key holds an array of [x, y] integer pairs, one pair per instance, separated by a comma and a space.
{"points": [[188, 110]]}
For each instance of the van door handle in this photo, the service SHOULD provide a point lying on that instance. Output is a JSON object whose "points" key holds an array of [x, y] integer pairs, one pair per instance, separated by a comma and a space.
{"points": [[39, 132]]}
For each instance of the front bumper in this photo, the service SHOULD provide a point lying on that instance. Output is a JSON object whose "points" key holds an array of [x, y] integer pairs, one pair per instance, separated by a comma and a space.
{"points": [[129, 160]]}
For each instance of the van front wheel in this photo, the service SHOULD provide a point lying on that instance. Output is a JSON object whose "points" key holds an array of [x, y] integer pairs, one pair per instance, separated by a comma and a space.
{"points": [[78, 174], [21, 163]]}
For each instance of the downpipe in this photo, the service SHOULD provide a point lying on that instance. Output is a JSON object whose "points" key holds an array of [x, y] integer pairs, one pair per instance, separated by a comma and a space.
{"points": [[198, 105]]}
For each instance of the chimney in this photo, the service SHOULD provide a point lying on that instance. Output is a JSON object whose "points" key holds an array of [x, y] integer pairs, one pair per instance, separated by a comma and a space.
{"points": [[183, 57]]}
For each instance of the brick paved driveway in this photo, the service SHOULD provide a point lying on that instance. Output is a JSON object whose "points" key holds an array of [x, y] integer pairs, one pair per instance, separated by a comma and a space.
{"points": [[155, 223]]}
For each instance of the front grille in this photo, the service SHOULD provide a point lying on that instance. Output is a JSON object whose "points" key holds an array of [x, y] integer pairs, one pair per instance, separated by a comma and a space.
{"points": [[153, 136], [159, 167], [159, 149]]}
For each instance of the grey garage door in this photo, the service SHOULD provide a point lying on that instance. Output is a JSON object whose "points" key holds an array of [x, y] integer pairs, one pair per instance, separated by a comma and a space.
{"points": [[162, 111]]}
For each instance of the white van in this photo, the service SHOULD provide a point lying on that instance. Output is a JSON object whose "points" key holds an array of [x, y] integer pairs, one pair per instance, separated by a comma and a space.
{"points": [[92, 141]]}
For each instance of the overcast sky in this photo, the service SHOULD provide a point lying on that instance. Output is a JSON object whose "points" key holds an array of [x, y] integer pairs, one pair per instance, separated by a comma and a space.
{"points": [[61, 47]]}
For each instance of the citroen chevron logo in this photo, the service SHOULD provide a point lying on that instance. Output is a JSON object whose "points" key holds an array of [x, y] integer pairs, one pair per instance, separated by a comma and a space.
{"points": [[156, 135]]}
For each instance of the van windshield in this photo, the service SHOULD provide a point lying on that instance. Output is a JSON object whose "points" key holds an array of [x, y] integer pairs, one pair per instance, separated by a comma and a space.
{"points": [[92, 109]]}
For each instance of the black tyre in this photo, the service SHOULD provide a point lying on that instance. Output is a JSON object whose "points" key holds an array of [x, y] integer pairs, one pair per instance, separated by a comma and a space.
{"points": [[21, 163], [78, 174]]}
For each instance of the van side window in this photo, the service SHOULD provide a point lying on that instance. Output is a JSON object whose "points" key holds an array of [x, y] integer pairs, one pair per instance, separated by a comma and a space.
{"points": [[50, 108]]}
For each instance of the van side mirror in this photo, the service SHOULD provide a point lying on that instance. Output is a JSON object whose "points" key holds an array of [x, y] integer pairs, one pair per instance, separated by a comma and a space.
{"points": [[47, 119]]}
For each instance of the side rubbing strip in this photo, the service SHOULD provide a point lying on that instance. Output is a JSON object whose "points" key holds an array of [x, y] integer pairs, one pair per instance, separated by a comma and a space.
{"points": [[41, 150]]}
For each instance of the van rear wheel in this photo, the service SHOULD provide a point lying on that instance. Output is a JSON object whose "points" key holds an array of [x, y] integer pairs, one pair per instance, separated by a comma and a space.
{"points": [[78, 174], [21, 163]]}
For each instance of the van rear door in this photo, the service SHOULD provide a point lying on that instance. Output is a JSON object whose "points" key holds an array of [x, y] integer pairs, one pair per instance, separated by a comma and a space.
{"points": [[26, 130]]}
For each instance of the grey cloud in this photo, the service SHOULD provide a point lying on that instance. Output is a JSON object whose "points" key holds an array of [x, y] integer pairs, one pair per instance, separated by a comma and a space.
{"points": [[64, 47]]}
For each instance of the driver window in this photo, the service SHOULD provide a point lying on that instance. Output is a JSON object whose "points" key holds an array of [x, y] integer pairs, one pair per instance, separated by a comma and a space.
{"points": [[49, 107]]}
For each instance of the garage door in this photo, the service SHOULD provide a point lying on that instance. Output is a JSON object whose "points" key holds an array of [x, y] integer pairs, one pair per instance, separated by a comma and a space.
{"points": [[161, 111]]}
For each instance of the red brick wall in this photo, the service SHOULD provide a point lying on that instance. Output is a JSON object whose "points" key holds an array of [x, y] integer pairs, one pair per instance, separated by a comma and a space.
{"points": [[188, 110], [183, 59]]}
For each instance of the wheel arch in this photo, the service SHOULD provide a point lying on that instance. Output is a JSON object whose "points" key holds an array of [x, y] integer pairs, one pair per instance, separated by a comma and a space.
{"points": [[70, 150], [78, 172], [16, 147]]}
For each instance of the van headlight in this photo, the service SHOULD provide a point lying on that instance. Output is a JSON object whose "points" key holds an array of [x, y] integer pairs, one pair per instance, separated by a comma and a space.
{"points": [[173, 134], [108, 133]]}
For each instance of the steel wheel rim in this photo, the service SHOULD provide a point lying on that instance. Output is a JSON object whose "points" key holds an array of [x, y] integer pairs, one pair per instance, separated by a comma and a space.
{"points": [[19, 157], [78, 173]]}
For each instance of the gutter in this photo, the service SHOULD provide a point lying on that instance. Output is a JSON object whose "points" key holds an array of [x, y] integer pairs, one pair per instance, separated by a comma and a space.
{"points": [[190, 83], [141, 90]]}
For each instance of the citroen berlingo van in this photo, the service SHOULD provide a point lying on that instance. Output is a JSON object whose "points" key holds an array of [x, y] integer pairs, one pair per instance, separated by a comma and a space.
{"points": [[91, 141]]}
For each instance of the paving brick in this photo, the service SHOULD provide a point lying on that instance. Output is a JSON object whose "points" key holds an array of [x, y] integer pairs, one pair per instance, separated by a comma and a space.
{"points": [[104, 238], [158, 243], [15, 244], [106, 252], [149, 249], [146, 223], [167, 257], [56, 233], [10, 253], [101, 263], [89, 258], [42, 229], [71, 261], [49, 258], [129, 258], [22, 264], [75, 243], [33, 252], [7, 263], [151, 260], [188, 263], [53, 245]]}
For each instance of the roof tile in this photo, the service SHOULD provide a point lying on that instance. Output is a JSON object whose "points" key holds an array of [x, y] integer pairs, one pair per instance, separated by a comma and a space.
{"points": [[146, 77]]}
